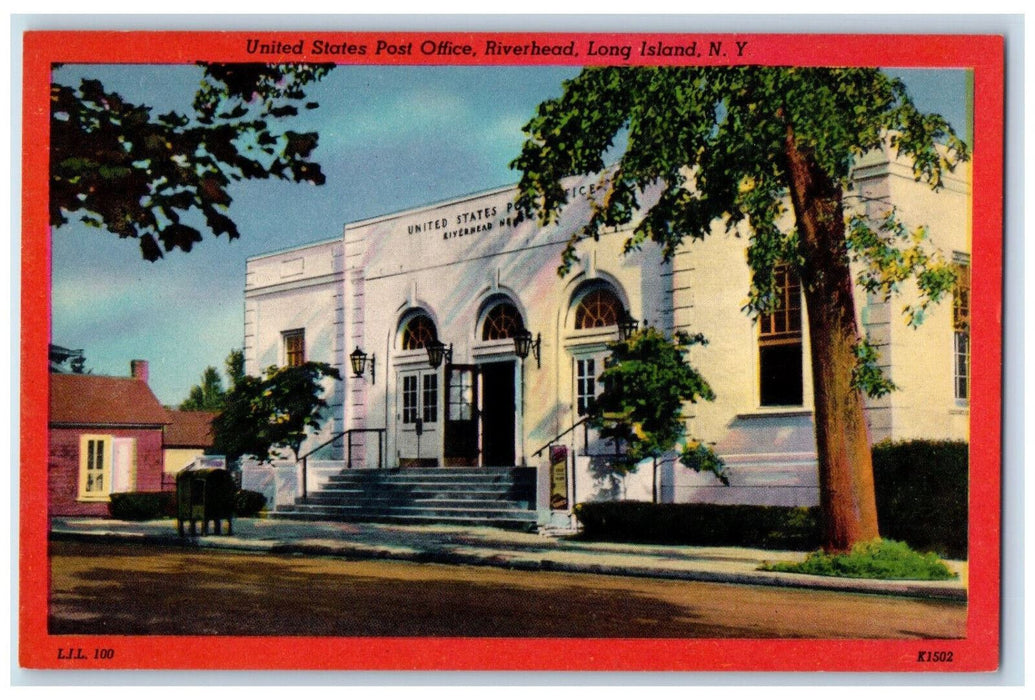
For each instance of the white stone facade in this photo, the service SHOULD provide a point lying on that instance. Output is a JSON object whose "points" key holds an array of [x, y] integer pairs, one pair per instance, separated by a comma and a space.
{"points": [[454, 262]]}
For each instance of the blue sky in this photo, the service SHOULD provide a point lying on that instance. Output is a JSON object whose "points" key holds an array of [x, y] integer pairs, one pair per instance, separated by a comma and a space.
{"points": [[391, 138]]}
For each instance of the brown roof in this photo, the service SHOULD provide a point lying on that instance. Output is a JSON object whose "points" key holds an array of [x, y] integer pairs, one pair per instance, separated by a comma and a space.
{"points": [[87, 399], [189, 429]]}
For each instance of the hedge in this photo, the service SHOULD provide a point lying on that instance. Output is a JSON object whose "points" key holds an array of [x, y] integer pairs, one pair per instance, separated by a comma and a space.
{"points": [[152, 505], [921, 489], [705, 524], [142, 505], [247, 504]]}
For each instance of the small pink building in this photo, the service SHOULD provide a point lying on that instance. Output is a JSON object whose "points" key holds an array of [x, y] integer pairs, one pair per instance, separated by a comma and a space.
{"points": [[105, 436]]}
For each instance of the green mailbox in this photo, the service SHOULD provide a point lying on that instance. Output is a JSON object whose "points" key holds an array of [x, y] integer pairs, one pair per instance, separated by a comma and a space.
{"points": [[202, 495]]}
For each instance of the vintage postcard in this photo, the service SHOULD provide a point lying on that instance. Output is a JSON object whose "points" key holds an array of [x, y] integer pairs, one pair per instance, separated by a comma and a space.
{"points": [[511, 351]]}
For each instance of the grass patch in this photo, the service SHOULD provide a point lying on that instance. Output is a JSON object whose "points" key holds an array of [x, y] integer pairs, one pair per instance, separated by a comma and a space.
{"points": [[880, 559]]}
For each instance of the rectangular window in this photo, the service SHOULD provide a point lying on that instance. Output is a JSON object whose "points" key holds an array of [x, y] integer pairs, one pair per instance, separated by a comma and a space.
{"points": [[461, 394], [94, 467], [585, 385], [409, 396], [430, 398], [779, 344], [294, 347], [961, 329]]}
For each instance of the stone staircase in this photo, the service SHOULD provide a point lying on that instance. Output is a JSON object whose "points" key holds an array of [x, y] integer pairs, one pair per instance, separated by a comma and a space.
{"points": [[501, 497]]}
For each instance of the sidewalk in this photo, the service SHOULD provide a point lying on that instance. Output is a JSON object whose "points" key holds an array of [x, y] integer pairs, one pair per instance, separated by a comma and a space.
{"points": [[450, 544]]}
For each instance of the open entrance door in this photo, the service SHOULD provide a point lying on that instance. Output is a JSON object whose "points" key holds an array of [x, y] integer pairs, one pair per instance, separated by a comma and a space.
{"points": [[461, 438], [499, 409]]}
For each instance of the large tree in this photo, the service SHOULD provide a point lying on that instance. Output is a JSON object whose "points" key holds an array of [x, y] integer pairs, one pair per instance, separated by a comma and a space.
{"points": [[739, 145], [164, 179], [276, 411]]}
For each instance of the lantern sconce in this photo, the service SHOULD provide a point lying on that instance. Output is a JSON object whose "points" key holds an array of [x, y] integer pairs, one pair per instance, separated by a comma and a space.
{"points": [[359, 359], [523, 343], [437, 351], [627, 326]]}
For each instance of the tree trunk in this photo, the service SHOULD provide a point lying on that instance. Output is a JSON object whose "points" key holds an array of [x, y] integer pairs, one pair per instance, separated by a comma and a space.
{"points": [[847, 500]]}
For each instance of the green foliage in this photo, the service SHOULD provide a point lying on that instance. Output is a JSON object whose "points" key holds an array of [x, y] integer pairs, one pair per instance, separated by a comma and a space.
{"points": [[701, 524], [149, 178], [242, 427], [891, 254], [744, 148], [142, 505], [207, 396], [867, 375], [713, 139], [702, 458], [274, 412], [248, 504], [210, 395], [880, 559], [234, 364], [647, 379], [922, 489]]}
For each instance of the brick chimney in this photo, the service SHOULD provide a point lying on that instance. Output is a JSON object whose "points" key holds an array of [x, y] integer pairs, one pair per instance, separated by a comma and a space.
{"points": [[138, 369]]}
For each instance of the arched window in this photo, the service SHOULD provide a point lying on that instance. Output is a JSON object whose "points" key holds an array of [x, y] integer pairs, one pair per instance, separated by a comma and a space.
{"points": [[418, 333], [598, 309], [503, 321]]}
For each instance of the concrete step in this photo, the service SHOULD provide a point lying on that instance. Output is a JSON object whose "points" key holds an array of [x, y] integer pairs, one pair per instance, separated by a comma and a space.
{"points": [[512, 520], [483, 496], [431, 499], [408, 478], [364, 509]]}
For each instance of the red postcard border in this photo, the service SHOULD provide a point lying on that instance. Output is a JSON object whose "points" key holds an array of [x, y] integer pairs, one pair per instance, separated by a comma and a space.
{"points": [[978, 652]]}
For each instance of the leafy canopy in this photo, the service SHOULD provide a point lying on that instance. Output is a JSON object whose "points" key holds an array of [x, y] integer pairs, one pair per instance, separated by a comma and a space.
{"points": [[647, 380], [164, 179], [712, 140], [261, 415]]}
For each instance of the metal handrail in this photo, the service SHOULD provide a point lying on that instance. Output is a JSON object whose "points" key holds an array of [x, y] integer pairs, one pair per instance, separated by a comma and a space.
{"points": [[559, 436], [322, 445], [304, 459]]}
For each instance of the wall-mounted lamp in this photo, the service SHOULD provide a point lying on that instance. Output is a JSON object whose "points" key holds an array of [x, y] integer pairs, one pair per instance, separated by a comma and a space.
{"points": [[437, 351], [523, 343], [359, 359], [627, 326]]}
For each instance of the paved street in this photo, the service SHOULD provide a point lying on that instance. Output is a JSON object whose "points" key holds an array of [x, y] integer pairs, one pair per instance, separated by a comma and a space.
{"points": [[107, 588]]}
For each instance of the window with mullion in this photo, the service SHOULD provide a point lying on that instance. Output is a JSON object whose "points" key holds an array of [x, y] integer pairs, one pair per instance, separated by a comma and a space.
{"points": [[409, 396], [961, 330], [294, 348], [430, 398], [585, 384], [780, 344]]}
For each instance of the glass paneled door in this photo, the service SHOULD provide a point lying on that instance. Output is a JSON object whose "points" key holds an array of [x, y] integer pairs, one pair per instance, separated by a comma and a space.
{"points": [[461, 436], [418, 418]]}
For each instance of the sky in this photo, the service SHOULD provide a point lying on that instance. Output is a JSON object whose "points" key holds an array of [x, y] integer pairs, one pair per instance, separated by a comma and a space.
{"points": [[391, 138]]}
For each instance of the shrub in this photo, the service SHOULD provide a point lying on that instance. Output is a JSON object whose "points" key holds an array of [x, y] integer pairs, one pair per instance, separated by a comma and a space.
{"points": [[142, 505], [247, 504], [922, 488], [768, 527], [881, 559]]}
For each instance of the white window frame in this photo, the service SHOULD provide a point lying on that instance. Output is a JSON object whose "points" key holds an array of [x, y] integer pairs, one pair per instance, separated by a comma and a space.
{"points": [[594, 389], [961, 345], [286, 338], [89, 469]]}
